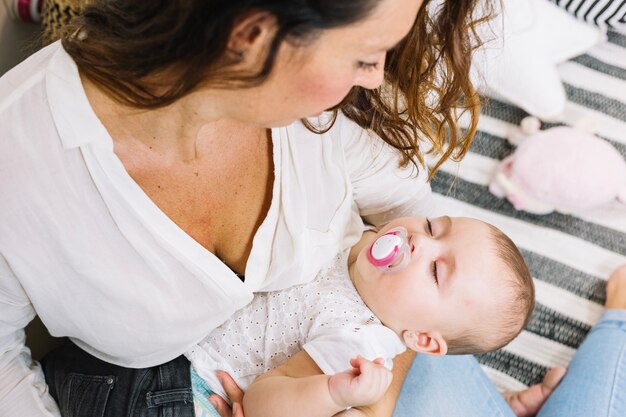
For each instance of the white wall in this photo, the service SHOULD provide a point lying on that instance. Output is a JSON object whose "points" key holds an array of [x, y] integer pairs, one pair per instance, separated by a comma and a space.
{"points": [[15, 40]]}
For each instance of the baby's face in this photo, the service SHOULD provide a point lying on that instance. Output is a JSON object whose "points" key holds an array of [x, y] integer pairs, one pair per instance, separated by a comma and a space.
{"points": [[452, 281]]}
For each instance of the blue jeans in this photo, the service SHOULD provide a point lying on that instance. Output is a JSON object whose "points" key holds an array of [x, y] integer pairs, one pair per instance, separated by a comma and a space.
{"points": [[595, 383]]}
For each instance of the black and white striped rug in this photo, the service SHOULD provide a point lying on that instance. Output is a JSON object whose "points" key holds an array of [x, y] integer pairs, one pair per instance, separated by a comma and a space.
{"points": [[603, 13], [570, 256]]}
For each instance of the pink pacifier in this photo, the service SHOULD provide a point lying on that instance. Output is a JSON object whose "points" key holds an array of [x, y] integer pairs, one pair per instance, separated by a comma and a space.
{"points": [[391, 252]]}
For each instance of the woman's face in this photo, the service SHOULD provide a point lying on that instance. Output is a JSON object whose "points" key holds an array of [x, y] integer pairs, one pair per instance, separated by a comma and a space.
{"points": [[308, 79]]}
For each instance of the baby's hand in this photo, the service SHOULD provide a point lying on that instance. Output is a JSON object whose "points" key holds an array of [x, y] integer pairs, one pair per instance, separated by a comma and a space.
{"points": [[364, 384]]}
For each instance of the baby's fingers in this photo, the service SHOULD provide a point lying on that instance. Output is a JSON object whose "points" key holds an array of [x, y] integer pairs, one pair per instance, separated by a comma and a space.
{"points": [[373, 371], [377, 373], [360, 361]]}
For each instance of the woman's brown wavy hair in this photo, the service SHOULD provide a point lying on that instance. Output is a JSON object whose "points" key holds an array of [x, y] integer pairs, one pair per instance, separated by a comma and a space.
{"points": [[427, 87], [124, 45]]}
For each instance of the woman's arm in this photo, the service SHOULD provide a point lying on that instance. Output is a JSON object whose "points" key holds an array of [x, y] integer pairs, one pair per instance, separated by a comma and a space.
{"points": [[299, 384], [23, 390]]}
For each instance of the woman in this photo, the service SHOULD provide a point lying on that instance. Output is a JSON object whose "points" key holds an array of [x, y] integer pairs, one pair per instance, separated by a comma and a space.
{"points": [[147, 172]]}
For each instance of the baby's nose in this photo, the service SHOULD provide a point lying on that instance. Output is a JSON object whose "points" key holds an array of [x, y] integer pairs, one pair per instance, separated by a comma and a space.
{"points": [[420, 243]]}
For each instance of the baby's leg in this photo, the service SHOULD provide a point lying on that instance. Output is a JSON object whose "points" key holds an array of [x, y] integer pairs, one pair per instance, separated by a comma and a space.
{"points": [[595, 383]]}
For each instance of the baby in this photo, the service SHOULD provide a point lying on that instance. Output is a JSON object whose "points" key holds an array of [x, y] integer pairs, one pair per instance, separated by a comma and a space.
{"points": [[447, 285]]}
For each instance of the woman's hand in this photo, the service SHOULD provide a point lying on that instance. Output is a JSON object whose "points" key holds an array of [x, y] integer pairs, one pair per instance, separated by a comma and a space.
{"points": [[234, 393]]}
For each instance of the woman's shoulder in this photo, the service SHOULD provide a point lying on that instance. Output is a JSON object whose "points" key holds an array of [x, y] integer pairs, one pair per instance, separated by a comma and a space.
{"points": [[28, 127], [24, 103], [28, 76], [32, 152]]}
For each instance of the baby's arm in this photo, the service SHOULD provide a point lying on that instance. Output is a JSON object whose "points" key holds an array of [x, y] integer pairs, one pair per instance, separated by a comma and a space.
{"points": [[299, 386]]}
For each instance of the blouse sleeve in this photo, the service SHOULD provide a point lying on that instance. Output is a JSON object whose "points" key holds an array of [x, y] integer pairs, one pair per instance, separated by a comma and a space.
{"points": [[23, 390], [333, 348], [382, 190]]}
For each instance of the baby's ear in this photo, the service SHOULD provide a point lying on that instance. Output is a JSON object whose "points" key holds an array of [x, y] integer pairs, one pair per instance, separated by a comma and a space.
{"points": [[431, 343]]}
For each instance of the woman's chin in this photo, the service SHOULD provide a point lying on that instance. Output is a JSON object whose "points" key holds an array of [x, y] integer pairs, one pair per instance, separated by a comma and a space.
{"points": [[288, 121]]}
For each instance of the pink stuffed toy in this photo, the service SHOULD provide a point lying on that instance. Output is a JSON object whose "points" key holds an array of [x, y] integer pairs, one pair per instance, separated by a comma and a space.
{"points": [[562, 169]]}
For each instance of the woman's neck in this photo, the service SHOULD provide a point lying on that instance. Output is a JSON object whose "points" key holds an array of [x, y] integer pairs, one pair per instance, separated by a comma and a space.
{"points": [[174, 128]]}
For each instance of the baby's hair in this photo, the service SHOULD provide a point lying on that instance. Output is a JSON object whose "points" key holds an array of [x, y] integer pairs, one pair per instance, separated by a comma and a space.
{"points": [[514, 311]]}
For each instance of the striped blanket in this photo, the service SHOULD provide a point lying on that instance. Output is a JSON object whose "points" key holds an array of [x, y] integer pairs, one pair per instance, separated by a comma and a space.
{"points": [[570, 256]]}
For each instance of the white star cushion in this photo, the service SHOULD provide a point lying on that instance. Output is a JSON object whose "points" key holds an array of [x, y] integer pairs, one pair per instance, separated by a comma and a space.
{"points": [[524, 44]]}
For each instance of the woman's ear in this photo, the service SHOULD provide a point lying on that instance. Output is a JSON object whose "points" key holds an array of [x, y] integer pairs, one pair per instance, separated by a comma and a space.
{"points": [[252, 33], [423, 342]]}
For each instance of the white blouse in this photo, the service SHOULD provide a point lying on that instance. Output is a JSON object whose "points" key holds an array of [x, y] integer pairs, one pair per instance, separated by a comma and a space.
{"points": [[325, 317], [83, 247]]}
